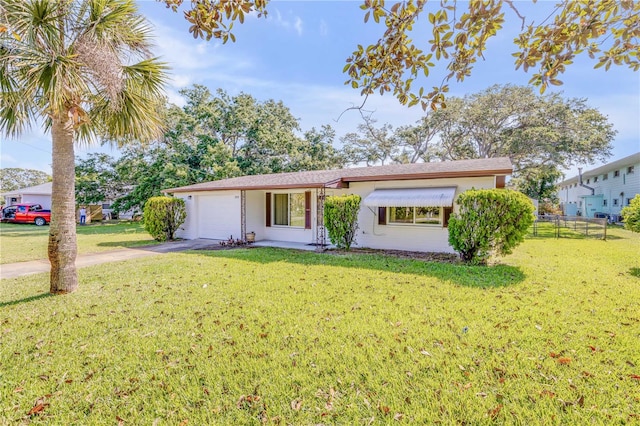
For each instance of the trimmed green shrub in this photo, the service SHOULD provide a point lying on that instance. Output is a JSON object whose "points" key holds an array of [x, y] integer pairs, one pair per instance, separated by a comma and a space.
{"points": [[163, 216], [631, 215], [489, 222], [341, 219]]}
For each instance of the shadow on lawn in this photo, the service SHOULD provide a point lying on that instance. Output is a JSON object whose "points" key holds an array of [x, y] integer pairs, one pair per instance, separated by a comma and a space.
{"points": [[459, 274], [634, 272], [25, 300]]}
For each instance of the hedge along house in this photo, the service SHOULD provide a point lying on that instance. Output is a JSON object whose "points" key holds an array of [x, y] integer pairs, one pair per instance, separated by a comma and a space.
{"points": [[404, 206]]}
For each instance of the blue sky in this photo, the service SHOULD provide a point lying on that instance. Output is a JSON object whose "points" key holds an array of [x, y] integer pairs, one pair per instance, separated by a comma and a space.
{"points": [[297, 54]]}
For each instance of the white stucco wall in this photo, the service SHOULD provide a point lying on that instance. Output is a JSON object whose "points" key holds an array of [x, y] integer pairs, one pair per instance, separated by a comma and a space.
{"points": [[188, 229], [256, 218], [407, 237], [223, 207], [256, 213]]}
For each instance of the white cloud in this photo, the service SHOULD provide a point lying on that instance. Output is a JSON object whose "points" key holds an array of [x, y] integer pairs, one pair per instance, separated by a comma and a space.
{"points": [[181, 80], [296, 23], [324, 28], [6, 158], [190, 57], [175, 98]]}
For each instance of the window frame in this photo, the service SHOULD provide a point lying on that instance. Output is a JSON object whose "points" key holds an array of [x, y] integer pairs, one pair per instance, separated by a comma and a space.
{"points": [[605, 176], [630, 170], [274, 206], [440, 223], [616, 173]]}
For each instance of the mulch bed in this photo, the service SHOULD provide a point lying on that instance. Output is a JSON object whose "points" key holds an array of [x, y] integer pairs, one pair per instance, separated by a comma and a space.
{"points": [[225, 247], [401, 254]]}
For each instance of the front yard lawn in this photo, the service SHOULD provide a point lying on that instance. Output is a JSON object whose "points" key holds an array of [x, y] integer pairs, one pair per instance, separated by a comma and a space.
{"points": [[551, 336], [23, 242]]}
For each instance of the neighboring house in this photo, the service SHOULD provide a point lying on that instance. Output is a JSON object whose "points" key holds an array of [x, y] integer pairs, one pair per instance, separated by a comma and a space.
{"points": [[604, 190], [39, 194], [404, 206]]}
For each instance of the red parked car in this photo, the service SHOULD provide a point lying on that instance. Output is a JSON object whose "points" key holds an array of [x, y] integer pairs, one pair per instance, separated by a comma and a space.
{"points": [[26, 213]]}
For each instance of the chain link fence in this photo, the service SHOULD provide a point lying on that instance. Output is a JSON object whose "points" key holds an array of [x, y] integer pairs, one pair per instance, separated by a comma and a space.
{"points": [[569, 226]]}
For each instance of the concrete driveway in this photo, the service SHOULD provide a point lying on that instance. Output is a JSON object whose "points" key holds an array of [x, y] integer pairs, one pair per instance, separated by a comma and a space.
{"points": [[13, 270]]}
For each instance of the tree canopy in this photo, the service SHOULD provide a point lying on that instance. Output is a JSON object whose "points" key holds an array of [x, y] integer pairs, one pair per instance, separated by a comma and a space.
{"points": [[213, 136], [607, 31], [539, 133], [12, 178]]}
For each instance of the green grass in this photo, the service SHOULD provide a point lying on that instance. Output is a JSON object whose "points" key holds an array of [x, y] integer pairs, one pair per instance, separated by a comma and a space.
{"points": [[550, 336], [23, 242]]}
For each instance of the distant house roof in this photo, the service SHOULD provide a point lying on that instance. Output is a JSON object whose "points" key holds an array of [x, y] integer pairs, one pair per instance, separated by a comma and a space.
{"points": [[42, 189], [336, 178], [614, 165]]}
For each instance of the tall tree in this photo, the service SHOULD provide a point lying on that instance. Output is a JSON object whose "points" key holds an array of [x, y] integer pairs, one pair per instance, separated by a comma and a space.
{"points": [[15, 178], [534, 131], [217, 136], [460, 32], [97, 180], [418, 143], [370, 145], [315, 151], [84, 68], [539, 184]]}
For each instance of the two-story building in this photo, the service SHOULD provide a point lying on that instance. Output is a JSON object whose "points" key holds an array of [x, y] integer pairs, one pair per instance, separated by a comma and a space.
{"points": [[604, 190]]}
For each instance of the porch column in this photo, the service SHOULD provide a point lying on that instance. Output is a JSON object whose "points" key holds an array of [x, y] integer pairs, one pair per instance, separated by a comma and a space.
{"points": [[243, 215], [321, 238]]}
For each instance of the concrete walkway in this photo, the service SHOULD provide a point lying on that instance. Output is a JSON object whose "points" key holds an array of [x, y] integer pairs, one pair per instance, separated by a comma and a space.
{"points": [[13, 270]]}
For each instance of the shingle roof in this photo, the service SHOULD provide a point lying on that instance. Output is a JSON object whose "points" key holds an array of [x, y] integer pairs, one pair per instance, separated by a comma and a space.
{"points": [[42, 189], [319, 178]]}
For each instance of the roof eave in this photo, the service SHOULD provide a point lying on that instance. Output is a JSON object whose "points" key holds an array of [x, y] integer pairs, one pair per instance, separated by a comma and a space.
{"points": [[437, 175], [243, 188]]}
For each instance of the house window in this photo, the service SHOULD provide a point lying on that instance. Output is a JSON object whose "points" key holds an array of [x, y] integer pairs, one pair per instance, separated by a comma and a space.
{"points": [[605, 176], [588, 181], [288, 210], [630, 170], [628, 201], [415, 215], [615, 201], [595, 179], [604, 203], [616, 173]]}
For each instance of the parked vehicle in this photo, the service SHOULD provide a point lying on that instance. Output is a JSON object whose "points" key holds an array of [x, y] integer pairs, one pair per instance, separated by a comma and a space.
{"points": [[26, 213]]}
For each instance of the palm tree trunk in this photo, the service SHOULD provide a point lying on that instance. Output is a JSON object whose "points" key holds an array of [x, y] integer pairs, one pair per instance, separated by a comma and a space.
{"points": [[62, 231]]}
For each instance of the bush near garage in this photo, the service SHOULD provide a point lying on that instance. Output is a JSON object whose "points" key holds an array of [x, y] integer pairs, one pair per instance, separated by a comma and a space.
{"points": [[163, 216]]}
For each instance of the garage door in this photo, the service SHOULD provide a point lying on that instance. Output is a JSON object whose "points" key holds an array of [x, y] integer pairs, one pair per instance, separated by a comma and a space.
{"points": [[219, 216]]}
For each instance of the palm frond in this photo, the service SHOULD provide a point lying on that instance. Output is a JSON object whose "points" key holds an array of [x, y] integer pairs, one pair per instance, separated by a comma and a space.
{"points": [[85, 59]]}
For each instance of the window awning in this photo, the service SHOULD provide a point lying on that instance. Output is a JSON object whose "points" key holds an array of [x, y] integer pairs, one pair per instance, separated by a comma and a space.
{"points": [[411, 197]]}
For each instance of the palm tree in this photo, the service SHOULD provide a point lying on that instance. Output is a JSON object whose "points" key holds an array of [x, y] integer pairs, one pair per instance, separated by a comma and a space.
{"points": [[83, 68]]}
